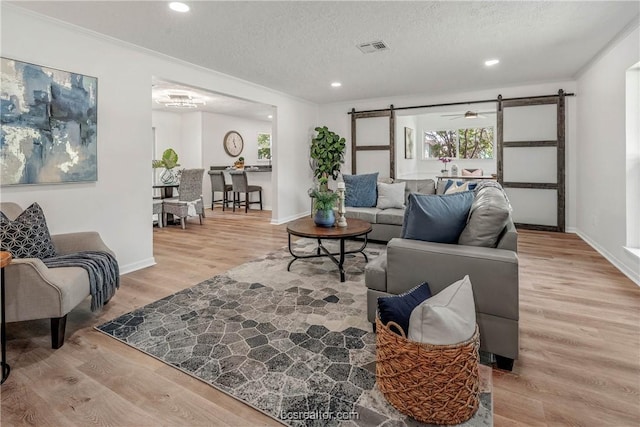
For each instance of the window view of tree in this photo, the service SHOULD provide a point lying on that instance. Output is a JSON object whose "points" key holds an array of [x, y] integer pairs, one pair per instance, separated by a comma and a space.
{"points": [[264, 146], [469, 143], [441, 143], [475, 143]]}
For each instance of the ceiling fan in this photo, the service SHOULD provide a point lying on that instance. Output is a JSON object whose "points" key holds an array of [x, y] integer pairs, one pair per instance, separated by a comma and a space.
{"points": [[469, 115]]}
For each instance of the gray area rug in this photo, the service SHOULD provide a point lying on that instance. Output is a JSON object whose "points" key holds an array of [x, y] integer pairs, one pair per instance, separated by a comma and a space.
{"points": [[296, 345]]}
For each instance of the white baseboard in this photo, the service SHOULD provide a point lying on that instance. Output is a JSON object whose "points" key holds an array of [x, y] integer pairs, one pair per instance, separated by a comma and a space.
{"points": [[571, 230], [129, 268], [280, 221], [635, 278]]}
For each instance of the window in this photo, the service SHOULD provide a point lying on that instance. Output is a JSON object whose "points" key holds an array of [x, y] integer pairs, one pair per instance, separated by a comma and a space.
{"points": [[264, 146], [466, 143]]}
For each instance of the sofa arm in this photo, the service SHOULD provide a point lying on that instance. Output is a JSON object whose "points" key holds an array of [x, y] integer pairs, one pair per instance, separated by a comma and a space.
{"points": [[76, 242], [493, 272]]}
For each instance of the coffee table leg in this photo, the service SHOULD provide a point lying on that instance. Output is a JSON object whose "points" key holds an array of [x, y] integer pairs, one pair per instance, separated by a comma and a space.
{"points": [[341, 262], [5, 366], [319, 246]]}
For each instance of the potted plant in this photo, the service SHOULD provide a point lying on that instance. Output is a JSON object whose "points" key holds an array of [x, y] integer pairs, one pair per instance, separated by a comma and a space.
{"points": [[168, 162], [239, 164], [327, 154], [323, 202]]}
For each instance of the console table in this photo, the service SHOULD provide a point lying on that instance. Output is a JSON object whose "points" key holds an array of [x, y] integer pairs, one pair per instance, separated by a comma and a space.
{"points": [[305, 227]]}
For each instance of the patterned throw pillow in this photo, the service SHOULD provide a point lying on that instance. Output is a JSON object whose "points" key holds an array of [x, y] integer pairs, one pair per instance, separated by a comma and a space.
{"points": [[28, 235]]}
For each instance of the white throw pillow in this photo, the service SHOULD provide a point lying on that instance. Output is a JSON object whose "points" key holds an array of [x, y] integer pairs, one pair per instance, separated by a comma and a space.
{"points": [[448, 317], [390, 195]]}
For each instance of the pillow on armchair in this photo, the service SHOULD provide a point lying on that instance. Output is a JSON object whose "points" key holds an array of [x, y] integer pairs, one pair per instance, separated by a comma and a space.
{"points": [[361, 190], [28, 235], [436, 218]]}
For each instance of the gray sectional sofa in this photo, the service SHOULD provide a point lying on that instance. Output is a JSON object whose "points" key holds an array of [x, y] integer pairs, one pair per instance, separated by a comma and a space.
{"points": [[387, 223]]}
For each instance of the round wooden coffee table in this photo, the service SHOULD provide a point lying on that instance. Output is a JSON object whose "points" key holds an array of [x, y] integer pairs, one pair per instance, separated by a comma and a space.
{"points": [[305, 227]]}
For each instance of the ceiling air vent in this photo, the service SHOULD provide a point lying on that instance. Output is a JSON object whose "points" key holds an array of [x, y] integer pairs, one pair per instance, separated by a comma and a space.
{"points": [[373, 46]]}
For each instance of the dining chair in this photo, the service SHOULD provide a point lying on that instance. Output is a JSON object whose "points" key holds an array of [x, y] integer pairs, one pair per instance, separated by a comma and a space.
{"points": [[218, 184], [240, 185], [189, 200], [157, 210]]}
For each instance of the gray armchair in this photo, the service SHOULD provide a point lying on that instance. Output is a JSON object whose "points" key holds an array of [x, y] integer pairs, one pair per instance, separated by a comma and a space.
{"points": [[493, 273], [34, 291]]}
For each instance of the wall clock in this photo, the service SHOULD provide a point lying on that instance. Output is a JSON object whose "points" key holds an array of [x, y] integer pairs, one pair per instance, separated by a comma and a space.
{"points": [[233, 143]]}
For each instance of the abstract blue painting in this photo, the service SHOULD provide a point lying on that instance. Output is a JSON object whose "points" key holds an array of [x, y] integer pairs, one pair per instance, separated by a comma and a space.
{"points": [[48, 125]]}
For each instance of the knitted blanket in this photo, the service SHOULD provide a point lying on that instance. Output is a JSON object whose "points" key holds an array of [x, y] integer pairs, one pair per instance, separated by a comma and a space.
{"points": [[103, 270]]}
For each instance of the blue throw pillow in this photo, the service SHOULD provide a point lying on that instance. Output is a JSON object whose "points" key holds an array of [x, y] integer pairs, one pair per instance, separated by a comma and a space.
{"points": [[361, 190], [436, 218], [398, 308]]}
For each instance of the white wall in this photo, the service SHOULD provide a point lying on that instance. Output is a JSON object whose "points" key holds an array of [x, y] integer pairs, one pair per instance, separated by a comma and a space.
{"points": [[118, 204], [336, 118], [601, 174]]}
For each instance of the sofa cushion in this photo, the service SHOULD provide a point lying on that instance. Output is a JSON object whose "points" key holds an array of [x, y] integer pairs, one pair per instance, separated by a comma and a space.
{"points": [[361, 190], [421, 186], [398, 308], [375, 273], [449, 317], [390, 216], [365, 214], [390, 195], [436, 218], [488, 217], [28, 235]]}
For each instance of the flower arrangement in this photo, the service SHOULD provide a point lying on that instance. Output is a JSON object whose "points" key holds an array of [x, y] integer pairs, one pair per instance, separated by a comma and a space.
{"points": [[445, 160]]}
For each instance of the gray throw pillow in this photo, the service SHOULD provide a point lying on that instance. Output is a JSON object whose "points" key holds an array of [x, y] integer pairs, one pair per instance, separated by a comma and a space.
{"points": [[436, 218], [488, 216], [390, 195], [449, 317]]}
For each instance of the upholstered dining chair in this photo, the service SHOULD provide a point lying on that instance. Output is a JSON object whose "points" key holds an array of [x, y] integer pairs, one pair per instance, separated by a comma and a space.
{"points": [[219, 185], [189, 200], [157, 210], [240, 185]]}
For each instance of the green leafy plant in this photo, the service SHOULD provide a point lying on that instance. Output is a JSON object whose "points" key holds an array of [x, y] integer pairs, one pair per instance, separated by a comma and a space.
{"points": [[169, 160], [241, 159], [324, 200], [327, 153]]}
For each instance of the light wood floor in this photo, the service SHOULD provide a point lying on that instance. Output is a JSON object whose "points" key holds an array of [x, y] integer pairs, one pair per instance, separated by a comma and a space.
{"points": [[579, 338]]}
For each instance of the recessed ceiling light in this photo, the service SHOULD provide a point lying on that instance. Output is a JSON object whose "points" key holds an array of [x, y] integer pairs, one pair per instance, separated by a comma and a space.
{"points": [[491, 62], [178, 7], [336, 84], [270, 116]]}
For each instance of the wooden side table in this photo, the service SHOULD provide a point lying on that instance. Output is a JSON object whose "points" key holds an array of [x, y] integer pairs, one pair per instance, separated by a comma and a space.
{"points": [[5, 260]]}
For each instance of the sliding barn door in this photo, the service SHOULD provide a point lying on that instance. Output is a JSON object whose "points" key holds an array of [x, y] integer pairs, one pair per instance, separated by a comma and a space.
{"points": [[531, 160], [372, 142]]}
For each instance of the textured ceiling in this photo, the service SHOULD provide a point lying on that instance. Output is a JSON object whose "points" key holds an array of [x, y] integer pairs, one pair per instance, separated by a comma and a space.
{"points": [[301, 47]]}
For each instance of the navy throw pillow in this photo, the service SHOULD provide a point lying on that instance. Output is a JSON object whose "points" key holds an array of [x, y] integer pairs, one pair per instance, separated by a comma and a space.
{"points": [[436, 218], [398, 308], [361, 190]]}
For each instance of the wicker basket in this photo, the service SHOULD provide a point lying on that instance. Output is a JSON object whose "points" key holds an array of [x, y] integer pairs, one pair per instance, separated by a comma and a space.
{"points": [[436, 384]]}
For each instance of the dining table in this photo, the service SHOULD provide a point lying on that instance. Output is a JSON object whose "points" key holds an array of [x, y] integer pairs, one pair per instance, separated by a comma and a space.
{"points": [[166, 190]]}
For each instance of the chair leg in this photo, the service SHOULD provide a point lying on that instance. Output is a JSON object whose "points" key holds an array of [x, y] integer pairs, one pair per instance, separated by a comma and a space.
{"points": [[234, 200], [200, 216], [260, 194], [58, 326], [224, 200], [504, 363], [182, 223], [246, 202]]}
